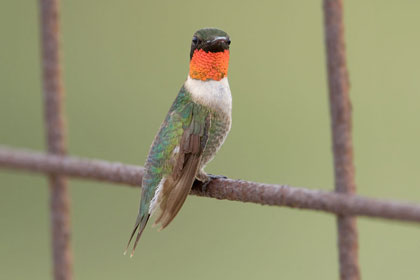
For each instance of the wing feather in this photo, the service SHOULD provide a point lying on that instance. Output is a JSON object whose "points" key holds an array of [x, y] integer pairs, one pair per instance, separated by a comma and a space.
{"points": [[173, 162], [185, 169]]}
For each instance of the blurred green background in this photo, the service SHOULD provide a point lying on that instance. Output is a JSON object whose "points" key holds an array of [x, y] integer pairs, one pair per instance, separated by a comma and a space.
{"points": [[124, 62]]}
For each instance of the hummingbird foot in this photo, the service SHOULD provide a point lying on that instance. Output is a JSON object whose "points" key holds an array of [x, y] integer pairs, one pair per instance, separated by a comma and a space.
{"points": [[210, 177]]}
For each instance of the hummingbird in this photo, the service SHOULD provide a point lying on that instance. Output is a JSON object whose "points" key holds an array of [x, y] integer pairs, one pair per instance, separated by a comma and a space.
{"points": [[193, 131]]}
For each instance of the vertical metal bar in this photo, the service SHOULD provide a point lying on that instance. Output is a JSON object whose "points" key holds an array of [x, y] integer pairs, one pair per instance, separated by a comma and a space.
{"points": [[56, 138], [341, 125]]}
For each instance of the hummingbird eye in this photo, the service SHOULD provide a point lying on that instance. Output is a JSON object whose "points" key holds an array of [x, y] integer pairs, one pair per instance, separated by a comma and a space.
{"points": [[195, 40], [228, 41]]}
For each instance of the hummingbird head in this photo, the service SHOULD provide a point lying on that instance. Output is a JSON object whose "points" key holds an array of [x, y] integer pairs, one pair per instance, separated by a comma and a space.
{"points": [[209, 56]]}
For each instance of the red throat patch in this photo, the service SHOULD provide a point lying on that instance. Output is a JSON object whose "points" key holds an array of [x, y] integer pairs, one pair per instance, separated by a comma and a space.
{"points": [[209, 65]]}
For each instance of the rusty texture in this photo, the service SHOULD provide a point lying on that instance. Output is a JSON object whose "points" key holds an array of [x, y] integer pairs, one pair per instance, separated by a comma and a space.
{"points": [[341, 125], [235, 190], [56, 138]]}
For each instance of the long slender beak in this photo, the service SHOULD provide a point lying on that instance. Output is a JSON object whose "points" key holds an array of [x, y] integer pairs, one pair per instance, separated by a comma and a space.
{"points": [[217, 44], [220, 39]]}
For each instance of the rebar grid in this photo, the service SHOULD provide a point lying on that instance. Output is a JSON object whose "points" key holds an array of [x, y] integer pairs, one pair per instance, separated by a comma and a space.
{"points": [[343, 202]]}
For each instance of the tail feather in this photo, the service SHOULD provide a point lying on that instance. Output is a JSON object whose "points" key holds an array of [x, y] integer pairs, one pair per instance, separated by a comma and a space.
{"points": [[140, 224], [131, 237]]}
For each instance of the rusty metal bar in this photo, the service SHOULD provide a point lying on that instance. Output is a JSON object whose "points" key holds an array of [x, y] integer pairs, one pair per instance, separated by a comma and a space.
{"points": [[235, 190], [341, 125], [56, 138]]}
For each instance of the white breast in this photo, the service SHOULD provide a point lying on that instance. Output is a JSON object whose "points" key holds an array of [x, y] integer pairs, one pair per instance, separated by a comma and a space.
{"points": [[210, 93]]}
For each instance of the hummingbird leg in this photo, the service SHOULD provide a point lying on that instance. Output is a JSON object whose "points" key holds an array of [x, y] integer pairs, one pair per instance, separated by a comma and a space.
{"points": [[202, 176], [214, 177], [207, 178]]}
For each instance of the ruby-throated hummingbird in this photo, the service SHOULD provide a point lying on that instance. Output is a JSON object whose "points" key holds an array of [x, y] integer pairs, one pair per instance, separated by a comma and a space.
{"points": [[193, 131]]}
